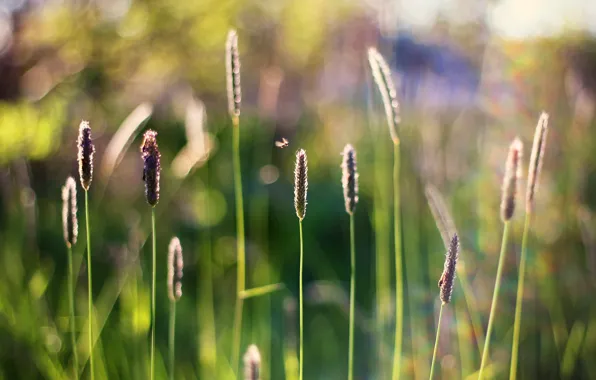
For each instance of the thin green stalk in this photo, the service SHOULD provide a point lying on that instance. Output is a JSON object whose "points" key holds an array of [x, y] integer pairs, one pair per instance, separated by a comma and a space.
{"points": [[432, 365], [205, 308], [89, 285], [75, 357], [240, 274], [352, 295], [300, 376], [518, 302], [493, 305], [399, 290], [153, 295], [172, 337]]}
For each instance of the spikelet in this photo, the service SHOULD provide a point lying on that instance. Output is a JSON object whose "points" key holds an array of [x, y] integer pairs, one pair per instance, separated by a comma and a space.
{"points": [[349, 179], [536, 160], [300, 183], [441, 214], [233, 74], [382, 75], [511, 179], [69, 212], [85, 156], [151, 166], [447, 278], [175, 267], [252, 363]]}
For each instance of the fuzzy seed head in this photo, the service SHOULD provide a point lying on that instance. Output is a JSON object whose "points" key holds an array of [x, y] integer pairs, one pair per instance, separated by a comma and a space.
{"points": [[511, 179], [448, 277], [382, 76], [151, 166], [300, 183], [85, 156], [536, 158], [69, 212], [175, 268], [441, 214], [349, 179], [252, 363], [233, 74]]}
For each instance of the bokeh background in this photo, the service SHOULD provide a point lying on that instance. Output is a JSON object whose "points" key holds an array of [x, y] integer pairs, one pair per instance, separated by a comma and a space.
{"points": [[471, 76]]}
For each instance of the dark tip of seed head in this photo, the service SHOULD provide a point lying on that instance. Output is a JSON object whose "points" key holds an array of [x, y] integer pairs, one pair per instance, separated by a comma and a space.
{"points": [[69, 212], [233, 74], [349, 179], [448, 276], [536, 159], [151, 166], [252, 363], [511, 179], [175, 268], [300, 183], [85, 156]]}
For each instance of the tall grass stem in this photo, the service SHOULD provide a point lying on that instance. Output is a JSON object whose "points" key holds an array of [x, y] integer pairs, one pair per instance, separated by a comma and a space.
{"points": [[90, 286], [352, 295], [75, 356], [240, 274], [520, 296], [432, 365], [399, 290], [301, 306], [153, 294], [172, 338], [493, 306]]}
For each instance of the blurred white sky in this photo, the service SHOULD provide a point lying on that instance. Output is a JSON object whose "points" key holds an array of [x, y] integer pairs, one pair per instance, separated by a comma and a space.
{"points": [[508, 18]]}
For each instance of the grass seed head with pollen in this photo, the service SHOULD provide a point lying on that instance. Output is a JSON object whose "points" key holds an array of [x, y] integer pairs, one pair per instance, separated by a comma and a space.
{"points": [[233, 74], [151, 166], [536, 158], [382, 76], [511, 179], [448, 277], [85, 155], [175, 268], [349, 179], [252, 363], [69, 212], [300, 183]]}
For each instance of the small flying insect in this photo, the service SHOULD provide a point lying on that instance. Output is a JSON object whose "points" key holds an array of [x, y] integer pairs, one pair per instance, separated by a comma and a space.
{"points": [[282, 144]]}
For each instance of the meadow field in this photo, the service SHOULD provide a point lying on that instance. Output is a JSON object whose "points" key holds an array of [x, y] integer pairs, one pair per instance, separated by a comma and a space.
{"points": [[294, 190]]}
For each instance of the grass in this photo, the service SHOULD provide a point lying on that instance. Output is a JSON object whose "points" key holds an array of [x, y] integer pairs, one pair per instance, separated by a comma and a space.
{"points": [[90, 287], [399, 286], [240, 245], [352, 295], [432, 364], [153, 279], [75, 355], [493, 305], [172, 339]]}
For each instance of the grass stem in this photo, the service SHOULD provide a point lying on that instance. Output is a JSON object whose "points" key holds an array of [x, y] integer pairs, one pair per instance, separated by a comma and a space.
{"points": [[301, 306], [153, 294], [75, 357], [172, 338], [518, 302], [493, 306], [90, 287], [352, 295], [432, 365], [399, 290], [240, 274]]}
